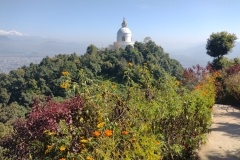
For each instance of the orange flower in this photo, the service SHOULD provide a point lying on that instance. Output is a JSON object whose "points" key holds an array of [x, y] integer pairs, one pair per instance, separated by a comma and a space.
{"points": [[62, 159], [132, 139], [125, 132], [197, 87], [96, 133], [157, 143], [108, 133]]}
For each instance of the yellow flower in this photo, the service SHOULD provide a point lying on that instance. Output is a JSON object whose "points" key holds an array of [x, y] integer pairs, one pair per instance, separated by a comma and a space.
{"points": [[96, 133], [130, 64], [51, 133], [83, 141], [84, 150], [114, 86], [49, 147], [89, 158], [82, 145], [62, 148], [65, 73], [100, 125], [64, 85], [108, 133], [46, 131], [176, 83]]}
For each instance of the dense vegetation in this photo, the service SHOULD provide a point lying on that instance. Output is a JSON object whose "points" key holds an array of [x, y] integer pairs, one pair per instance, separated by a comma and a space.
{"points": [[20, 87], [218, 45], [144, 119], [135, 103]]}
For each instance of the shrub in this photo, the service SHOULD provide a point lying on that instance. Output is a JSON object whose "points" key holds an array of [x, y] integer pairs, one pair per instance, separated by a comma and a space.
{"points": [[148, 119]]}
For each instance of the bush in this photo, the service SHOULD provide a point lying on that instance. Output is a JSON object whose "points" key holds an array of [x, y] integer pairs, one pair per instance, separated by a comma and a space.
{"points": [[147, 119], [227, 85]]}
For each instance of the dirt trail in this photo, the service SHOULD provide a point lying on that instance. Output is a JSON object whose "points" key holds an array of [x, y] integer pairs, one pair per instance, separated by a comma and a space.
{"points": [[224, 140]]}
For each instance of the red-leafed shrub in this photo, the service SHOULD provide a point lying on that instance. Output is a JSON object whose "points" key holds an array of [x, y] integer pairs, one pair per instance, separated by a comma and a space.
{"points": [[233, 69], [47, 117], [43, 118], [228, 85], [192, 76]]}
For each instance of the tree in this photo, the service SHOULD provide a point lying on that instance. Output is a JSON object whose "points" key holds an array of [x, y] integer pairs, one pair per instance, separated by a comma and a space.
{"points": [[220, 43], [92, 49], [4, 96], [147, 39]]}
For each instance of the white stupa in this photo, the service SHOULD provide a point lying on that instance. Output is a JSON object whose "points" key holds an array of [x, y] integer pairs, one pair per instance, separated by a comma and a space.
{"points": [[124, 37]]}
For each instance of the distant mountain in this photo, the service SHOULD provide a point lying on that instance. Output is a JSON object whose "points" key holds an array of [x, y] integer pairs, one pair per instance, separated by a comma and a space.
{"points": [[27, 45], [13, 32], [4, 38], [197, 55]]}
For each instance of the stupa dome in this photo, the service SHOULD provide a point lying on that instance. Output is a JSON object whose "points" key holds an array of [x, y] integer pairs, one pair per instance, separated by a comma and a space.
{"points": [[124, 34], [124, 37]]}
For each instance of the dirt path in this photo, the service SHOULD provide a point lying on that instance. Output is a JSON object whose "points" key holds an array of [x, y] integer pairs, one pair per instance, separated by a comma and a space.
{"points": [[224, 140]]}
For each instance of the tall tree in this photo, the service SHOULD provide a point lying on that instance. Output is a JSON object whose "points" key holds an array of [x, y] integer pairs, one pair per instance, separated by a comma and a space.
{"points": [[220, 43]]}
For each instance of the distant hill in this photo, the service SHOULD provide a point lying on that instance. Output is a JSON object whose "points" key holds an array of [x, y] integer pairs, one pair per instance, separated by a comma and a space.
{"points": [[197, 55], [4, 38]]}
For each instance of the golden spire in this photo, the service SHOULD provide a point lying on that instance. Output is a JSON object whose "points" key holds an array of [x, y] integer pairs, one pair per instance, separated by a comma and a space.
{"points": [[124, 24]]}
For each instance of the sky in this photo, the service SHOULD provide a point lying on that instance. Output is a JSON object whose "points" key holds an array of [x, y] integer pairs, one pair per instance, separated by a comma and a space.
{"points": [[172, 24]]}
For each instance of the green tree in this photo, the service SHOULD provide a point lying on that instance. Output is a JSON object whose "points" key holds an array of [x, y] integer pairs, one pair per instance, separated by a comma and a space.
{"points": [[147, 39], [4, 96], [91, 49], [220, 43]]}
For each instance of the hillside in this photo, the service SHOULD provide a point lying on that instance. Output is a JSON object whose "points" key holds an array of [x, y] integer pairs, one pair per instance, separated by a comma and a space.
{"points": [[21, 86], [134, 95]]}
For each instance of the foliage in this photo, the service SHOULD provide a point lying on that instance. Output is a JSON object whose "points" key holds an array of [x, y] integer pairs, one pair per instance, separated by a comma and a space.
{"points": [[192, 76], [220, 43], [232, 86], [228, 85], [26, 83], [141, 119], [224, 63], [8, 114], [235, 69]]}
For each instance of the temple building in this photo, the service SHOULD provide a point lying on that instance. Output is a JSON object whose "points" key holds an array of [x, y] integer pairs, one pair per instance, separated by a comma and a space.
{"points": [[124, 37]]}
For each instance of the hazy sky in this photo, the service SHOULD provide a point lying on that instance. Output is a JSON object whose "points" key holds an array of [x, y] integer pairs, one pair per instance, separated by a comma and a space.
{"points": [[173, 24]]}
